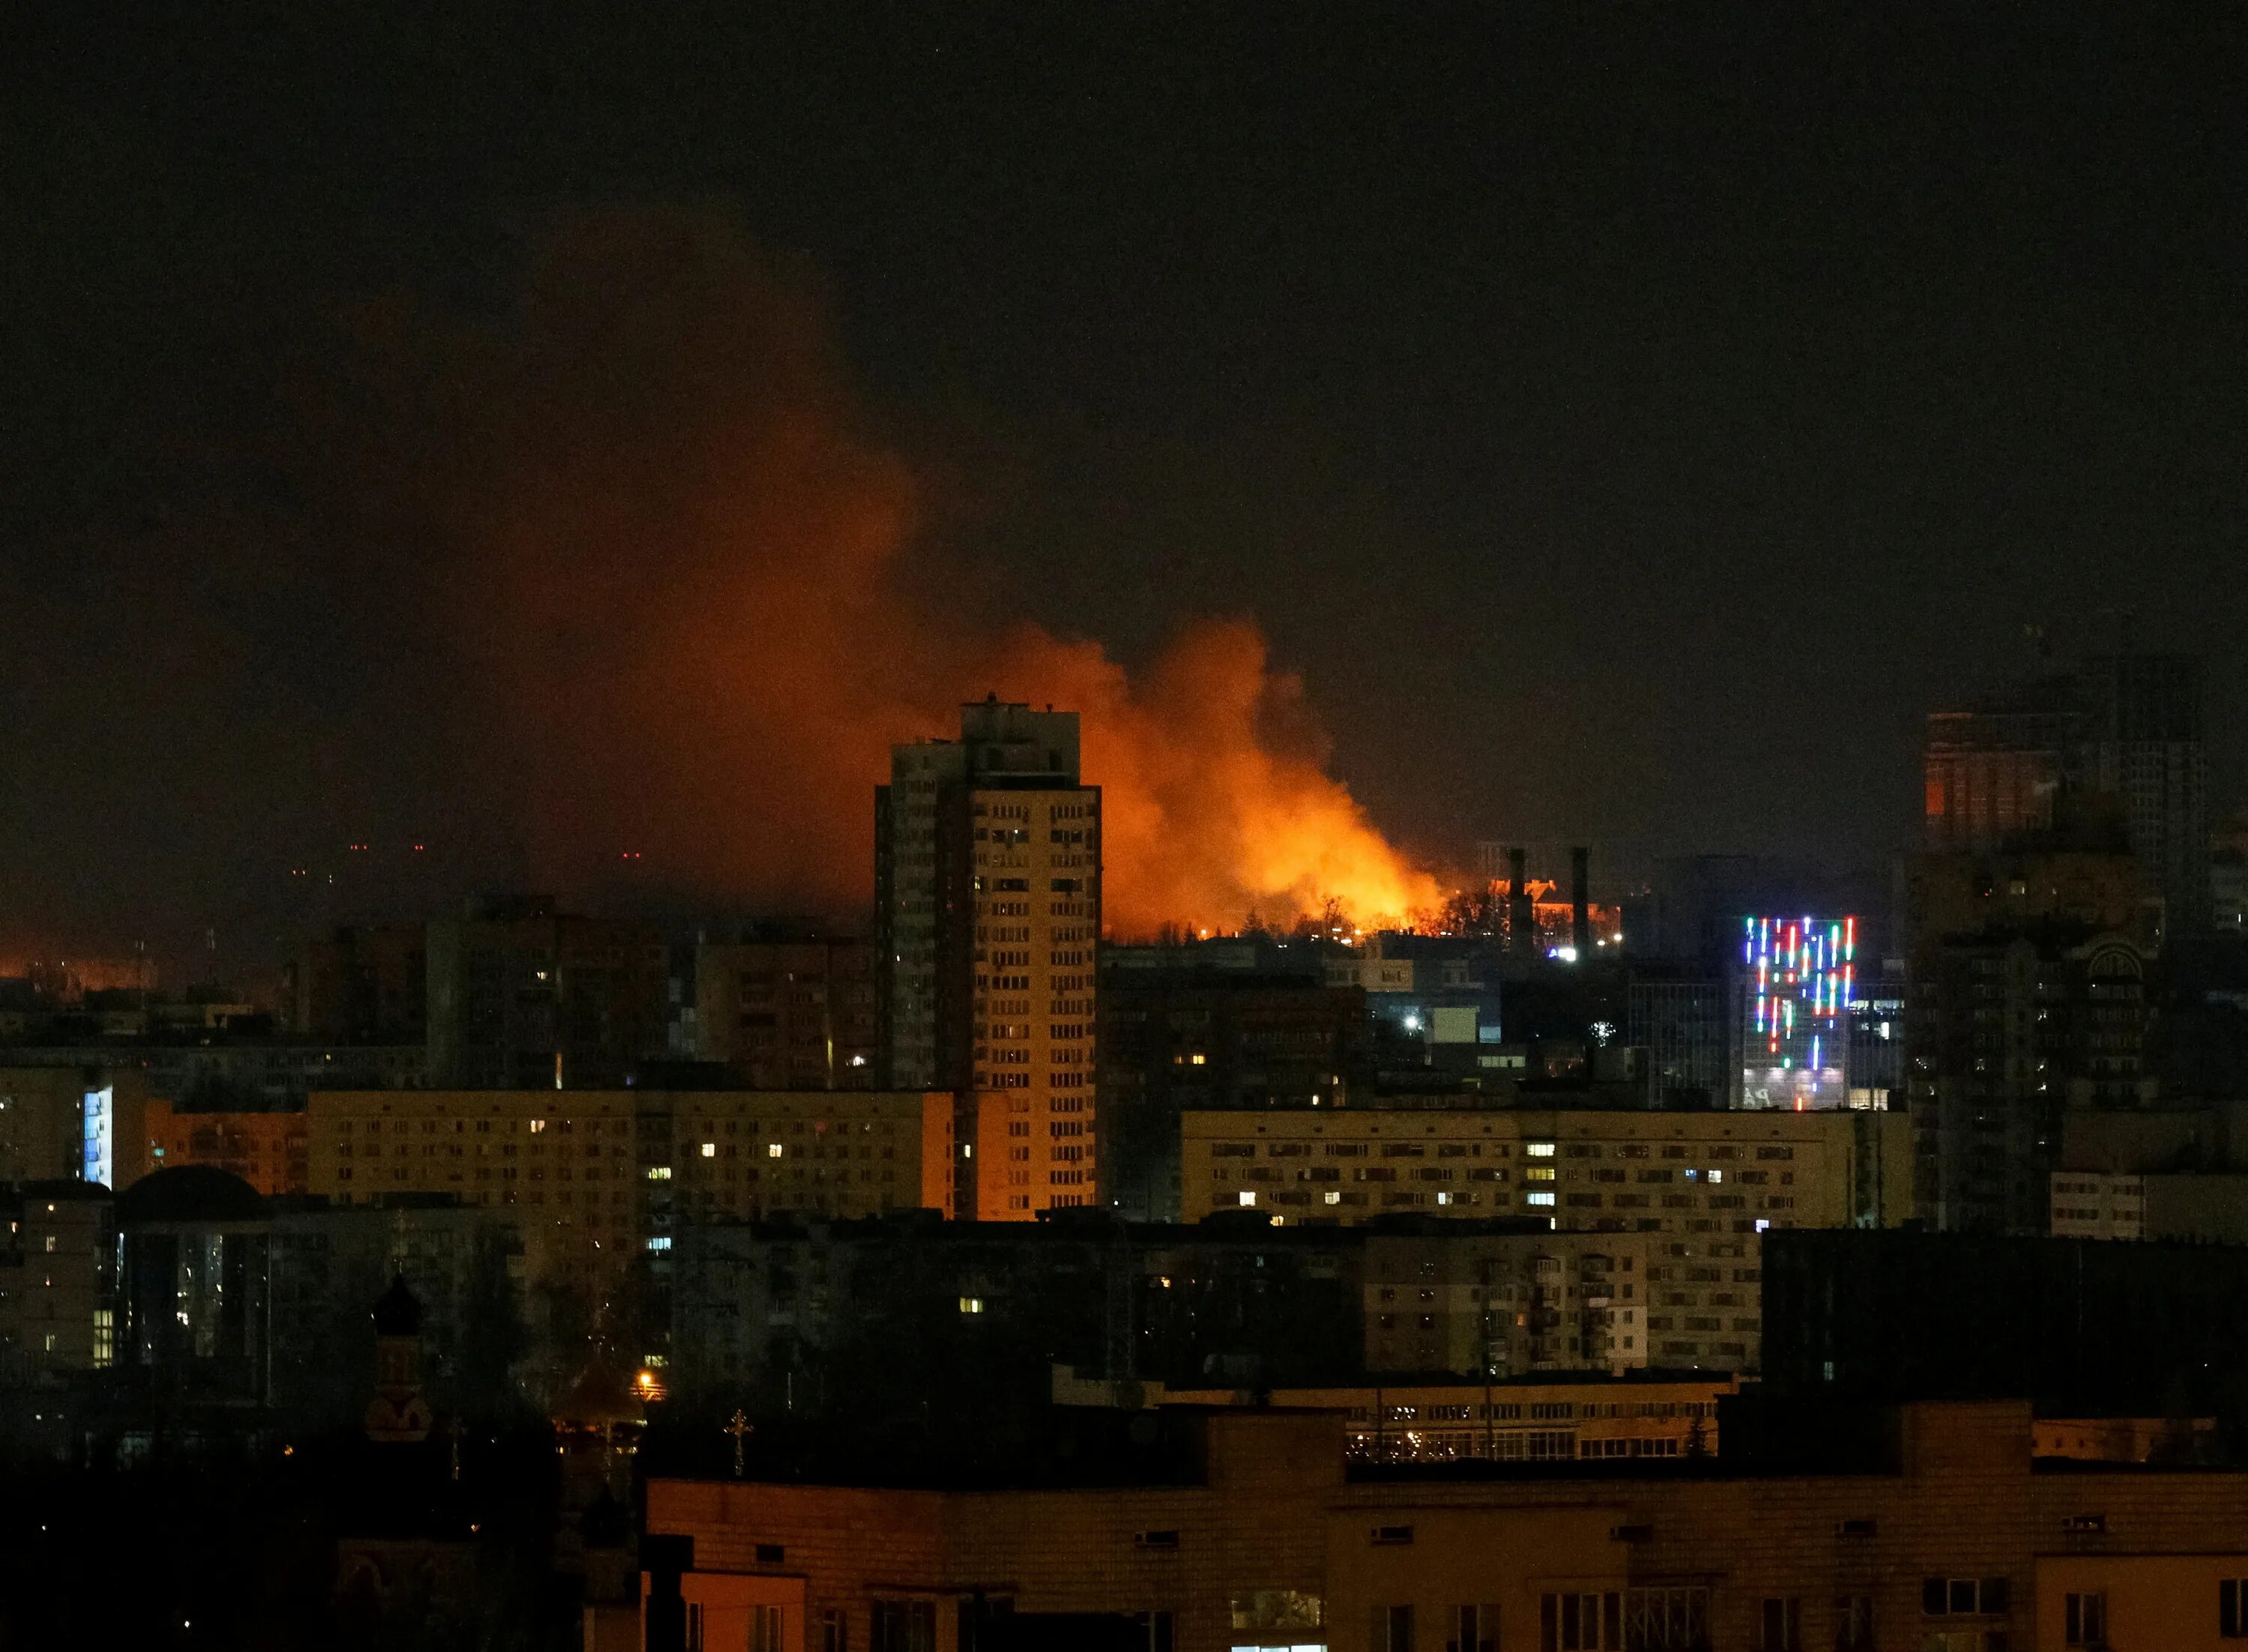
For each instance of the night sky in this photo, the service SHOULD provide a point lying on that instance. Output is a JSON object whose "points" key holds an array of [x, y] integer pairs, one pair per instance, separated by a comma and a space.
{"points": [[1627, 419]]}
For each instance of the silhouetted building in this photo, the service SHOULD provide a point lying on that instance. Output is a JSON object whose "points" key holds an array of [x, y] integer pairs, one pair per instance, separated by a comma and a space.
{"points": [[1992, 769], [789, 1015], [987, 890], [525, 996], [362, 984], [2028, 996], [2146, 746], [1179, 1033], [1690, 1035], [2085, 1327], [2127, 725], [58, 1284]]}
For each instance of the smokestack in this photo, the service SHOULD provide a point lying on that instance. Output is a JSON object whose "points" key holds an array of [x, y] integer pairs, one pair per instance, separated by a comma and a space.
{"points": [[1521, 922], [1580, 921]]}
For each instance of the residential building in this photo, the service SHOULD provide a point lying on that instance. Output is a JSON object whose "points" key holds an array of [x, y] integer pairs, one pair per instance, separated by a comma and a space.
{"points": [[1254, 1533], [365, 984], [1992, 769], [2147, 747], [58, 1282], [988, 894], [1691, 1036], [789, 1014], [2086, 1328], [73, 1122], [523, 995], [2127, 725], [599, 1180], [1443, 1299], [1584, 1168], [1183, 1033], [265, 1149]]}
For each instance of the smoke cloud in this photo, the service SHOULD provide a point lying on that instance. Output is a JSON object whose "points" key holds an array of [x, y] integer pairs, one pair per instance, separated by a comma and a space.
{"points": [[693, 605]]}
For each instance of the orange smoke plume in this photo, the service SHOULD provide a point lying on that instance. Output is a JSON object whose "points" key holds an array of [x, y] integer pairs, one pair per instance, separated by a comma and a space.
{"points": [[699, 593]]}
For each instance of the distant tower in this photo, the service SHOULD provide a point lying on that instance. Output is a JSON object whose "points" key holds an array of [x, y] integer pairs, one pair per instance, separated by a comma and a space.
{"points": [[399, 1415], [988, 894]]}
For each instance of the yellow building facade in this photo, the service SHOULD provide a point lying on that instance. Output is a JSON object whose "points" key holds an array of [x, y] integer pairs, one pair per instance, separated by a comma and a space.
{"points": [[1663, 1172]]}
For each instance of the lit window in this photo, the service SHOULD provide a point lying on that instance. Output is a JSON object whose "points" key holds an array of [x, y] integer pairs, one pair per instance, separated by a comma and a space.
{"points": [[661, 1241], [659, 1173], [773, 1149], [971, 1305], [1541, 1198], [1334, 1198], [709, 1149], [537, 1125], [1538, 1149], [1247, 1195]]}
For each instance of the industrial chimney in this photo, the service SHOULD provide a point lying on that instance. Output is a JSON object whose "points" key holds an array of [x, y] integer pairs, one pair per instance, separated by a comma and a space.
{"points": [[1581, 918], [1521, 920]]}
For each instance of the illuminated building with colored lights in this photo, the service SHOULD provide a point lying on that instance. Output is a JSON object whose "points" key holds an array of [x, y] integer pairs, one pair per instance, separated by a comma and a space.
{"points": [[1799, 978]]}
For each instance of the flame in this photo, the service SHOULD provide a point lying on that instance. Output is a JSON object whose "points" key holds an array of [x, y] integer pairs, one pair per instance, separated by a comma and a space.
{"points": [[705, 602]]}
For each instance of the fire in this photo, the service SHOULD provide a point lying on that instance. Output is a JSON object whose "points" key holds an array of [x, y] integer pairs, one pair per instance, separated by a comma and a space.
{"points": [[699, 603], [1216, 802]]}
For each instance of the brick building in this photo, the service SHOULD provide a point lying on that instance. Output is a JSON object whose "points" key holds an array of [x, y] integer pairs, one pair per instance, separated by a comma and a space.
{"points": [[1950, 1538]]}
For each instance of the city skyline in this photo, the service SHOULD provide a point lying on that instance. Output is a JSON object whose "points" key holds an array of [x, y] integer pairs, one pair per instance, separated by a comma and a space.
{"points": [[327, 528]]}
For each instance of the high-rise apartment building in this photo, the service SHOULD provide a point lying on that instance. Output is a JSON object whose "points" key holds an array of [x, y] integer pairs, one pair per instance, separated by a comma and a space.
{"points": [[2128, 725], [988, 891], [1991, 770], [2146, 747]]}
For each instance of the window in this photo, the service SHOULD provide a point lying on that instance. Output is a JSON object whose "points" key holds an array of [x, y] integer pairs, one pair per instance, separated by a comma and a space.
{"points": [[1962, 1597], [1783, 1625], [2232, 1608], [1393, 1629], [1581, 1623], [695, 1626], [764, 1629], [834, 1631], [1853, 1623], [901, 1625], [1393, 1534], [1666, 1620], [1157, 1627], [2087, 1620], [1475, 1628]]}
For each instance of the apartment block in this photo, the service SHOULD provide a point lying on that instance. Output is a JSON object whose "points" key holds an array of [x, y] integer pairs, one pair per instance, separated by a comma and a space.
{"points": [[988, 894], [789, 1015], [1612, 1171], [598, 1180], [1517, 1303], [1261, 1537], [266, 1149]]}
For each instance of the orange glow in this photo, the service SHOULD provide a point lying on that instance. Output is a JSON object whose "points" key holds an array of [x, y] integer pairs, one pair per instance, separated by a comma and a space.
{"points": [[708, 607]]}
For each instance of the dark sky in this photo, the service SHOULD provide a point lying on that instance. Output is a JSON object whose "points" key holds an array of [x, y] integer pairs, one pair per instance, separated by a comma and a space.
{"points": [[1626, 418]]}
